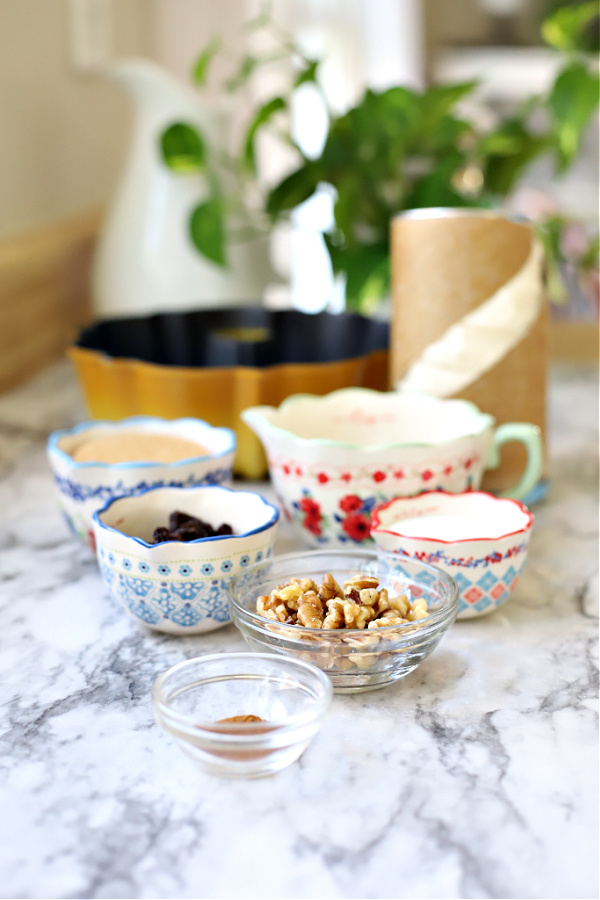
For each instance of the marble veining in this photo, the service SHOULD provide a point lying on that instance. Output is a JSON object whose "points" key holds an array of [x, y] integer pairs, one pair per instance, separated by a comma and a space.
{"points": [[474, 777]]}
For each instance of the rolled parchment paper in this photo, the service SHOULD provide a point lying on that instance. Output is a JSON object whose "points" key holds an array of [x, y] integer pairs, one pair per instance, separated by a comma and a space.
{"points": [[468, 317]]}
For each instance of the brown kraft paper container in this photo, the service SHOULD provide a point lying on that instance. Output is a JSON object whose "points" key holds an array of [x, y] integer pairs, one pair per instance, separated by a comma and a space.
{"points": [[445, 263]]}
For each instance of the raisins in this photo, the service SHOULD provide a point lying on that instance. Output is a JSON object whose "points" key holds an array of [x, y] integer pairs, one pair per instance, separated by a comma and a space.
{"points": [[183, 527], [224, 529], [176, 519]]}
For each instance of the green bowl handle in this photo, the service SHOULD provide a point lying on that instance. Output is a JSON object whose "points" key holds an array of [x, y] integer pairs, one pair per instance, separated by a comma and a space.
{"points": [[531, 437]]}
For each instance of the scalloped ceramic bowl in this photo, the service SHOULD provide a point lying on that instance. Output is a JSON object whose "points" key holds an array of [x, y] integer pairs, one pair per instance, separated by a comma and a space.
{"points": [[180, 587], [332, 459], [478, 539], [84, 487], [214, 363]]}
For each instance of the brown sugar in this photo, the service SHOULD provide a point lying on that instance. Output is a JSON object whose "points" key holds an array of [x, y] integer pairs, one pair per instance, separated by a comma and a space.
{"points": [[137, 446]]}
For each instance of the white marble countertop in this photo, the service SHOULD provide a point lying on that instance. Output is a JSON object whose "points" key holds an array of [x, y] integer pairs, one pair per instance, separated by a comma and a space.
{"points": [[474, 777]]}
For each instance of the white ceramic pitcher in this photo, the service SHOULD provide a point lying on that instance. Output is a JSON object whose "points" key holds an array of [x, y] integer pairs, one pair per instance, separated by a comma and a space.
{"points": [[145, 260]]}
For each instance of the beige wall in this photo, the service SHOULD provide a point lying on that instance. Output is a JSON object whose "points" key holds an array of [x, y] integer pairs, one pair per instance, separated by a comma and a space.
{"points": [[62, 134], [184, 27], [465, 22]]}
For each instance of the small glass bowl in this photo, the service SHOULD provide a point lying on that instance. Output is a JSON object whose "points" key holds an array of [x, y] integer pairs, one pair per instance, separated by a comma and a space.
{"points": [[355, 659], [290, 697]]}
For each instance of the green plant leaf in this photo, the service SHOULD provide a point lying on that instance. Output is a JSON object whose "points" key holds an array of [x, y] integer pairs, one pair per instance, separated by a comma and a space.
{"points": [[590, 259], [308, 73], [572, 101], [506, 152], [383, 125], [440, 99], [568, 27], [448, 131], [502, 171], [366, 268], [435, 188], [500, 143], [207, 230], [347, 205], [293, 190], [245, 70], [384, 128], [340, 151], [361, 214], [261, 20], [264, 114], [202, 64], [377, 286], [183, 148]]}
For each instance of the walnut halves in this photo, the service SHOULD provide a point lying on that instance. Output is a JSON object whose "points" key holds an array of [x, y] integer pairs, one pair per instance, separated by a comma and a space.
{"points": [[359, 604], [310, 610]]}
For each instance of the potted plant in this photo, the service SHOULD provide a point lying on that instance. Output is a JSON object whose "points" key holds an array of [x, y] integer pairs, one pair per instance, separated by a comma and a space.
{"points": [[395, 150]]}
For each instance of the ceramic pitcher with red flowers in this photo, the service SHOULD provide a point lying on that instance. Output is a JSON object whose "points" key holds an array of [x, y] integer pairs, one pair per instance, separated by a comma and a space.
{"points": [[334, 458]]}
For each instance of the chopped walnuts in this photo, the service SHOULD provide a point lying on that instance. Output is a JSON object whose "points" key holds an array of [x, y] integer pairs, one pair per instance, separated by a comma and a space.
{"points": [[360, 603]]}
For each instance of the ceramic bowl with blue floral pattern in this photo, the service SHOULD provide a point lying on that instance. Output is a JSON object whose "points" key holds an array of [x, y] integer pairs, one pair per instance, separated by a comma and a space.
{"points": [[180, 587], [84, 487]]}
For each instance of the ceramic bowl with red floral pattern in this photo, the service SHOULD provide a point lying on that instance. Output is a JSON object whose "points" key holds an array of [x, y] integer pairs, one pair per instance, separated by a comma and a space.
{"points": [[334, 458], [478, 539]]}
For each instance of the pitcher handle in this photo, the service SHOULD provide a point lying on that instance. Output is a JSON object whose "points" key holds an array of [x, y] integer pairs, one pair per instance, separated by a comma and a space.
{"points": [[531, 437]]}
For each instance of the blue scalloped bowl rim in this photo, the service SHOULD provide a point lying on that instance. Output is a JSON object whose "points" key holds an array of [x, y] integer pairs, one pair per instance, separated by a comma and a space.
{"points": [[56, 436], [198, 487]]}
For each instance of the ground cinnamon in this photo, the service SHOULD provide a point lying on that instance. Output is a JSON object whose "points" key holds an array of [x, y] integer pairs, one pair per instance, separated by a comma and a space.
{"points": [[241, 719], [244, 754]]}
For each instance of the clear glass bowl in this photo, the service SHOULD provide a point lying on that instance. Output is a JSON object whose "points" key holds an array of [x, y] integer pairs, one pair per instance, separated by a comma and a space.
{"points": [[291, 697], [355, 660]]}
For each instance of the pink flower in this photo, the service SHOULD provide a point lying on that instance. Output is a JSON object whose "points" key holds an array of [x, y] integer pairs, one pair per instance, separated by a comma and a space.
{"points": [[533, 203], [573, 241]]}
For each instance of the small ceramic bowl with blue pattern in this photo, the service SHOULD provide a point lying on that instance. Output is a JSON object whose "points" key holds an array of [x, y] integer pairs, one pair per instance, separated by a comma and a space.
{"points": [[479, 539], [180, 587], [147, 444]]}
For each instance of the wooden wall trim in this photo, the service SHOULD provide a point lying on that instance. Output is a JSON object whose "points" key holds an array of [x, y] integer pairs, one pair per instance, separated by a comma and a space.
{"points": [[44, 294]]}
